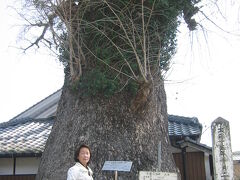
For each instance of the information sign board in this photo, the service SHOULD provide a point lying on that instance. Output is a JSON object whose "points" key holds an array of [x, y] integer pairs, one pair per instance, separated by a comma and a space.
{"points": [[117, 166], [148, 175]]}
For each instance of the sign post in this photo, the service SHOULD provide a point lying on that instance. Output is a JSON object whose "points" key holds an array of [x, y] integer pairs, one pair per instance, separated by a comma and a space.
{"points": [[117, 166], [116, 175]]}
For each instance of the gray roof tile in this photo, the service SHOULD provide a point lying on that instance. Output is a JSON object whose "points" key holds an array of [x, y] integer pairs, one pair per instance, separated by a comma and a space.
{"points": [[236, 156], [183, 126], [24, 136]]}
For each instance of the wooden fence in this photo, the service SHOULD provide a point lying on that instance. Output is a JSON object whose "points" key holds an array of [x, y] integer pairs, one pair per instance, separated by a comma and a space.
{"points": [[195, 168]]}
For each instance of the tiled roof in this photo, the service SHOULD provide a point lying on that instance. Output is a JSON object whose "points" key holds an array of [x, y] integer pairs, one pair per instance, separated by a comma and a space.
{"points": [[188, 142], [179, 126], [236, 156], [43, 109], [24, 137]]}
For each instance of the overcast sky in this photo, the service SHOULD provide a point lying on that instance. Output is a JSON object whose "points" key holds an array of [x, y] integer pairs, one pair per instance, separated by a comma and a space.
{"points": [[203, 81]]}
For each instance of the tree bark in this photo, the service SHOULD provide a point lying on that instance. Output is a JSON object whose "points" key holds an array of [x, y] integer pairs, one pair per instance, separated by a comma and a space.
{"points": [[112, 130]]}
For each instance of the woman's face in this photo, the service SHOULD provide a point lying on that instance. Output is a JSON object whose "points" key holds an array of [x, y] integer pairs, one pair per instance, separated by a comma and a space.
{"points": [[84, 156]]}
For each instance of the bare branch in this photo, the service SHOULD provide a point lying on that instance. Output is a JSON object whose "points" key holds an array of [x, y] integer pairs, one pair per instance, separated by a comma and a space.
{"points": [[36, 42], [215, 24], [130, 42]]}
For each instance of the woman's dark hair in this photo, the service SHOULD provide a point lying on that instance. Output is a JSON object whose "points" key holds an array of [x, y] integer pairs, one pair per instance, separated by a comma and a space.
{"points": [[78, 150]]}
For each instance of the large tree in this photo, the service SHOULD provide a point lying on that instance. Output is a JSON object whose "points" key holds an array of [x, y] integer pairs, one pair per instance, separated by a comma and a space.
{"points": [[113, 98]]}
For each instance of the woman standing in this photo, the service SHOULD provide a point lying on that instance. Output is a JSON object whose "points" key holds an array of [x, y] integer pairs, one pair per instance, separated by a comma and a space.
{"points": [[81, 171]]}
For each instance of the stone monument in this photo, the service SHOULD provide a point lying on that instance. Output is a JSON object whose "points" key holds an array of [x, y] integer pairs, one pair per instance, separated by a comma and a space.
{"points": [[222, 151]]}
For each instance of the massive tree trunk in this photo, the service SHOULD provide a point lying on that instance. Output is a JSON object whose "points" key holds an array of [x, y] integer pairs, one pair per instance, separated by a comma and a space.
{"points": [[112, 129]]}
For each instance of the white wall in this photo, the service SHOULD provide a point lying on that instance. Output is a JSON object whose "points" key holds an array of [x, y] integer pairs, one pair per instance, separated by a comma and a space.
{"points": [[28, 165], [6, 166]]}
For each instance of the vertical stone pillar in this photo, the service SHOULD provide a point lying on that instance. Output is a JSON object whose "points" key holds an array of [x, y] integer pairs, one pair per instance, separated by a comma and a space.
{"points": [[222, 151]]}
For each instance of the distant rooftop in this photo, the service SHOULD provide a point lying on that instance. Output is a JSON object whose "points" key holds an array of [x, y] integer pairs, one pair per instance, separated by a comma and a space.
{"points": [[43, 109], [180, 126], [236, 156]]}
